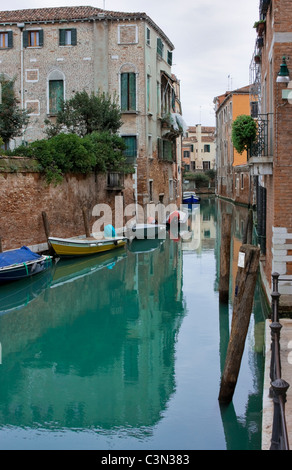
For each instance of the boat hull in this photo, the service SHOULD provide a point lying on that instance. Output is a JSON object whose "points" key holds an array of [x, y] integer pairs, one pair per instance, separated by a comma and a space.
{"points": [[144, 231], [24, 270], [70, 248]]}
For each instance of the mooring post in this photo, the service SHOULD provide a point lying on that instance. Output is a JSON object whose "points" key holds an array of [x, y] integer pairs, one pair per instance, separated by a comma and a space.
{"points": [[246, 278], [1, 248], [86, 224], [46, 224], [225, 258], [248, 228]]}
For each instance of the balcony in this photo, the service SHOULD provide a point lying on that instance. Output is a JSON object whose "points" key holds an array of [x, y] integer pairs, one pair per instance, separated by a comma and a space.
{"points": [[264, 6], [115, 181], [260, 154]]}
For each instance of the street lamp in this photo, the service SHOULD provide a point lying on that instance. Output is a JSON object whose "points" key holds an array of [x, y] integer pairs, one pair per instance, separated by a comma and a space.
{"points": [[283, 75]]}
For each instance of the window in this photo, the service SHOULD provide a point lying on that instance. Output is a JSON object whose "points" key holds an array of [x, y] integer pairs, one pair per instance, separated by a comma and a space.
{"points": [[148, 93], [186, 154], [148, 36], [131, 147], [160, 47], [207, 148], [151, 190], [169, 57], [6, 40], [56, 95], [67, 37], [206, 165], [171, 189], [33, 38], [128, 91]]}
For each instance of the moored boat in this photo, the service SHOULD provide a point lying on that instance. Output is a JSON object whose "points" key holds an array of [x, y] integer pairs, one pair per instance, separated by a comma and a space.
{"points": [[145, 231], [22, 263], [80, 246], [190, 197]]}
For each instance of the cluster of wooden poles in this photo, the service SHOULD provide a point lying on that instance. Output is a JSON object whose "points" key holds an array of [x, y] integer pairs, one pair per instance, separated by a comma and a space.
{"points": [[245, 283]]}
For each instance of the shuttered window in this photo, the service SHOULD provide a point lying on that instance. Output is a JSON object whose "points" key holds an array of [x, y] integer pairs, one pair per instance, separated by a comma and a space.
{"points": [[68, 37], [160, 47], [33, 38], [169, 57], [131, 147], [128, 91], [56, 95], [6, 40]]}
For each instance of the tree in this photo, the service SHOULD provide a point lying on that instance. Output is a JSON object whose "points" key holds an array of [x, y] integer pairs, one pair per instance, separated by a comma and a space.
{"points": [[84, 114], [12, 119], [244, 131]]}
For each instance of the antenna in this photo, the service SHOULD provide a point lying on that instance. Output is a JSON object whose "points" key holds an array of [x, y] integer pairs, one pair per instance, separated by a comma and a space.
{"points": [[104, 4]]}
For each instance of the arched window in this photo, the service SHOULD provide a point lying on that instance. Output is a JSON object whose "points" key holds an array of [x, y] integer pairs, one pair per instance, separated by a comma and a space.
{"points": [[56, 91]]}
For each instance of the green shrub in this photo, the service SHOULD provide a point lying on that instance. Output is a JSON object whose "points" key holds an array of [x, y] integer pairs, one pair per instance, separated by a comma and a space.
{"points": [[244, 131]]}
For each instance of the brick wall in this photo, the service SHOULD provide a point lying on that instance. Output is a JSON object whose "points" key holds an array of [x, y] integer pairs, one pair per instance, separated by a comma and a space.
{"points": [[25, 195]]}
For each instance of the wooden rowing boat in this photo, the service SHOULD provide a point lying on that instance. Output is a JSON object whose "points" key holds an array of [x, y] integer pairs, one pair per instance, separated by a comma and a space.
{"points": [[79, 246]]}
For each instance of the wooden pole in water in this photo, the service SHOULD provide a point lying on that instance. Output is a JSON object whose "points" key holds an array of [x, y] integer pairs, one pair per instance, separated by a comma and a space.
{"points": [[225, 258], [46, 224], [246, 278], [86, 224], [247, 234], [1, 248]]}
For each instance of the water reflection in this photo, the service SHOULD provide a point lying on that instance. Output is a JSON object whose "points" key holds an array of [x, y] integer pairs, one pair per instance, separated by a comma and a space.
{"points": [[124, 345], [96, 348]]}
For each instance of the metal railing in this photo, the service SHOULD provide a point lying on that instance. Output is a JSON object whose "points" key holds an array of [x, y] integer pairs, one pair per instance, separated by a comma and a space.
{"points": [[263, 145], [279, 386]]}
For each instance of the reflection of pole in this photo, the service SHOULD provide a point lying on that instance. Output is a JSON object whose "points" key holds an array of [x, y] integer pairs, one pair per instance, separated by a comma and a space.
{"points": [[225, 258]]}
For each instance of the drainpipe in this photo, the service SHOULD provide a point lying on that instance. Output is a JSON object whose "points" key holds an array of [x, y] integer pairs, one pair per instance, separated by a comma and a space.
{"points": [[21, 26]]}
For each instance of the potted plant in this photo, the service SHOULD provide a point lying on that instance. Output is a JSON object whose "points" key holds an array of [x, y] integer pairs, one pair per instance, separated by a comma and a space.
{"points": [[260, 26], [257, 59]]}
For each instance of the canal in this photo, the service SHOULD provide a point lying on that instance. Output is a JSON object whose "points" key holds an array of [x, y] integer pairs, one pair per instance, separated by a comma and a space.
{"points": [[125, 351]]}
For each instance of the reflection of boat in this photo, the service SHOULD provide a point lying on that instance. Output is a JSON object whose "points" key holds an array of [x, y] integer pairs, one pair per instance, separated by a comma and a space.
{"points": [[69, 269], [180, 217], [22, 263], [80, 246], [144, 246], [190, 197], [142, 231], [16, 296]]}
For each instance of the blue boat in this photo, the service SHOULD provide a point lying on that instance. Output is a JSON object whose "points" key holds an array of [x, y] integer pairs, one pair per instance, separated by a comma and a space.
{"points": [[190, 197], [22, 263]]}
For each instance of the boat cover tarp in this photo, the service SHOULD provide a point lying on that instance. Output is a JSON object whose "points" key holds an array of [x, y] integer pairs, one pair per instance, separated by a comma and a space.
{"points": [[21, 255]]}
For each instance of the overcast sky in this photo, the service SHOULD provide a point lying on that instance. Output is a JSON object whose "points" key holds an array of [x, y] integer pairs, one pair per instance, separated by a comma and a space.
{"points": [[214, 42]]}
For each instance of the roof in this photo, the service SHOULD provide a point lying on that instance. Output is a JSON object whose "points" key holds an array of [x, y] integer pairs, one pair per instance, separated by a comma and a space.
{"points": [[56, 14], [220, 100]]}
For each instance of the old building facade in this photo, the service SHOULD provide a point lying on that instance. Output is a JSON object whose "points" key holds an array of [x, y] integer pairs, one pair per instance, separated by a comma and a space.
{"points": [[199, 148], [270, 158], [55, 52], [233, 176]]}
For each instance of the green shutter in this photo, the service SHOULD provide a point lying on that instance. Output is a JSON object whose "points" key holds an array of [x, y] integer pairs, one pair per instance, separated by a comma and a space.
{"points": [[124, 91], [169, 57], [61, 37], [10, 39], [74, 37], [56, 95], [25, 38], [41, 37], [132, 91]]}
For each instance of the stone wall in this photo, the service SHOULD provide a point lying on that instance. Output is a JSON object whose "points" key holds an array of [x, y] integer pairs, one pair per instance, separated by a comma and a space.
{"points": [[24, 195]]}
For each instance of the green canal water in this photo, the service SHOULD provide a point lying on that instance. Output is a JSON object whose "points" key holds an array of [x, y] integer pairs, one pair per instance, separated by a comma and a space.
{"points": [[125, 351]]}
